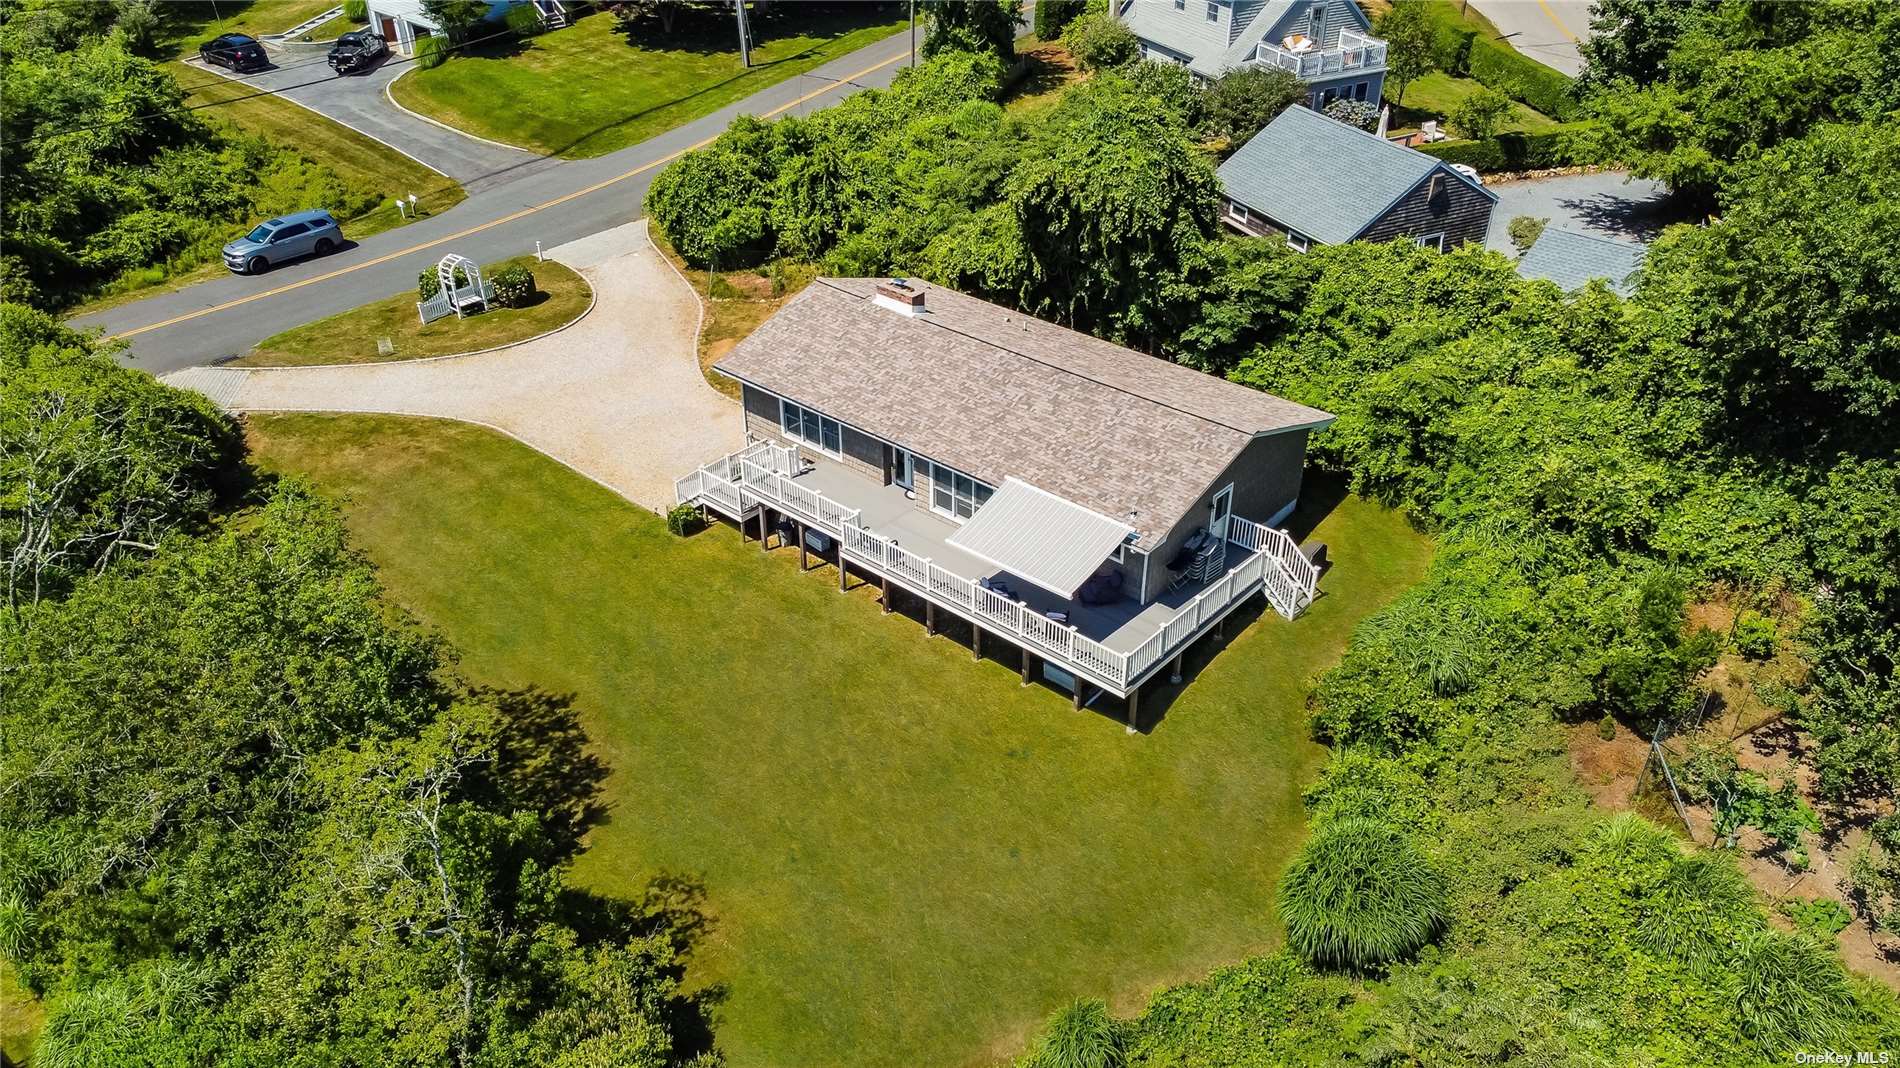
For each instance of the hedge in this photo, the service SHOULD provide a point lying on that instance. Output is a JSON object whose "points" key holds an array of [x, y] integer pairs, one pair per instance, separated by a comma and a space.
{"points": [[356, 10], [1544, 149], [1053, 16], [1520, 78]]}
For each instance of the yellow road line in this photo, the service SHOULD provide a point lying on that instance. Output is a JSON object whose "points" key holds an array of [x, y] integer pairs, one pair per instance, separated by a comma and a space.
{"points": [[523, 213], [1560, 23]]}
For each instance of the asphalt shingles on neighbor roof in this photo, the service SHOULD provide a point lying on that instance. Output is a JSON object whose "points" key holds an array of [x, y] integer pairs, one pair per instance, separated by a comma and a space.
{"points": [[1206, 44], [1324, 179], [1571, 259], [996, 393]]}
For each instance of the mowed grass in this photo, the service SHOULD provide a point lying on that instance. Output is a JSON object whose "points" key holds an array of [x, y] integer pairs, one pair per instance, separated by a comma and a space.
{"points": [[352, 336], [1436, 94], [255, 17], [591, 88], [908, 857]]}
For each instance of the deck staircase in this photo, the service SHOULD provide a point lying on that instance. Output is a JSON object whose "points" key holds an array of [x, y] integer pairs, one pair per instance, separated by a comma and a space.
{"points": [[553, 14]]}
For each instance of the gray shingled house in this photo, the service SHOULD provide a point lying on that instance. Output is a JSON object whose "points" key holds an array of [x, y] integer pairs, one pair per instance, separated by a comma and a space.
{"points": [[1320, 181], [1095, 507], [1571, 259], [1328, 43]]}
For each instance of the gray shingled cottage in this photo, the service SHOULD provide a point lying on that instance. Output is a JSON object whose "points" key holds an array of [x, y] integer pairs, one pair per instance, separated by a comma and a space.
{"points": [[1320, 181], [1327, 43], [1097, 508]]}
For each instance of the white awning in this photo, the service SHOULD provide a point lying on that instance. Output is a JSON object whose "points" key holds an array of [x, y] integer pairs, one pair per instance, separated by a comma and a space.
{"points": [[1039, 537]]}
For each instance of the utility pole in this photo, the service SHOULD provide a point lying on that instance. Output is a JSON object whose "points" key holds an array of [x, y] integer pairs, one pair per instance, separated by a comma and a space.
{"points": [[745, 34]]}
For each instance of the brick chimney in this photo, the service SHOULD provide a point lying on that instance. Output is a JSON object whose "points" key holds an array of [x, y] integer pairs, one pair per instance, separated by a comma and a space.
{"points": [[900, 296]]}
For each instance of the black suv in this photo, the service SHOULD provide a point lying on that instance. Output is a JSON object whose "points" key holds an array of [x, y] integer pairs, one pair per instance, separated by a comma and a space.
{"points": [[357, 50], [238, 51]]}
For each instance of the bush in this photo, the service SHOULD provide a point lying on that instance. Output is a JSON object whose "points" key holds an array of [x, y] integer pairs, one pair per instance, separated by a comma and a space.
{"points": [[1082, 1034], [1360, 895], [356, 10], [1361, 113], [1054, 16], [1525, 230], [1171, 84], [1241, 102], [428, 285], [431, 51], [683, 519], [1821, 918], [1519, 151], [1606, 727], [1755, 636], [1098, 41], [523, 20], [1501, 68], [1479, 115], [514, 286]]}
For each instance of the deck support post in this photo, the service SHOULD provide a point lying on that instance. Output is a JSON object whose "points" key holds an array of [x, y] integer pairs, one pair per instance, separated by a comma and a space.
{"points": [[886, 600], [1134, 709], [1025, 665], [976, 642], [801, 546], [764, 528], [1079, 687], [930, 617], [842, 574], [1174, 675]]}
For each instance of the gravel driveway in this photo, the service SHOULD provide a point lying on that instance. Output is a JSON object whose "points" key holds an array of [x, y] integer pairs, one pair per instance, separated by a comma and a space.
{"points": [[359, 102], [618, 396], [1608, 203]]}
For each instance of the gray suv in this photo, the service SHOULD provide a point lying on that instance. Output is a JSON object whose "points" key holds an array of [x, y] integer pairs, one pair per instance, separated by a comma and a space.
{"points": [[307, 233]]}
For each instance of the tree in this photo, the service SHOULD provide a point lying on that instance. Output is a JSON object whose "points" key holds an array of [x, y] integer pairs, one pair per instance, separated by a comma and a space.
{"points": [[456, 17], [1478, 115], [1242, 101], [1360, 895], [1099, 41], [1407, 29], [987, 26], [1053, 16], [1631, 39], [1525, 230]]}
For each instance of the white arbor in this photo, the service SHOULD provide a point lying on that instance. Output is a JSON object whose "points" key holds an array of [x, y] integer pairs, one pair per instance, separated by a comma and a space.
{"points": [[459, 289]]}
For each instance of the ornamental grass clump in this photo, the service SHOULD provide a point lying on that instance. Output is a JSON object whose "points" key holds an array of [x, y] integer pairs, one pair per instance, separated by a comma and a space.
{"points": [[1360, 895], [1081, 1034]]}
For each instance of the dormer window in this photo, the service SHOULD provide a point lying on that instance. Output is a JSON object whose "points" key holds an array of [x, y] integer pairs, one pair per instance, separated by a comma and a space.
{"points": [[1316, 22], [1213, 11]]}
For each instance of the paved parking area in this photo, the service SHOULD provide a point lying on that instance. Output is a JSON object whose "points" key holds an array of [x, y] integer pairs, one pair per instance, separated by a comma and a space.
{"points": [[1607, 203], [618, 396], [359, 102]]}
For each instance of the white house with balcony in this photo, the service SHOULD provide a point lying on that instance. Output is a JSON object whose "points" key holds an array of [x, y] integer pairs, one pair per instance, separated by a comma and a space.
{"points": [[1328, 43], [1095, 508]]}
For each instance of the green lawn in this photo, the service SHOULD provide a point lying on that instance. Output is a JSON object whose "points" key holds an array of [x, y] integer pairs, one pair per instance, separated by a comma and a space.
{"points": [[591, 88], [352, 336], [255, 17], [909, 857], [1434, 95]]}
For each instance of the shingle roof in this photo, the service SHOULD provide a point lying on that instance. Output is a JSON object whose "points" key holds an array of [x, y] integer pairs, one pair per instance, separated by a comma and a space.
{"points": [[996, 393], [1324, 179], [1210, 49], [1571, 259]]}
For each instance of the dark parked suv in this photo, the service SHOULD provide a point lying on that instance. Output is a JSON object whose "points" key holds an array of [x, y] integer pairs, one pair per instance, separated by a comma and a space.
{"points": [[357, 50], [307, 233], [238, 51]]}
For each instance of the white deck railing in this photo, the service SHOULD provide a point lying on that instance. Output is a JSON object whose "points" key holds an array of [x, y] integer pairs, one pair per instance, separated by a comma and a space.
{"points": [[736, 483], [1355, 51]]}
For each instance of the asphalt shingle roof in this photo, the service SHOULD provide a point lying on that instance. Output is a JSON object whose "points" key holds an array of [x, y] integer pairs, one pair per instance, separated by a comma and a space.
{"points": [[1210, 48], [995, 393], [1324, 179], [1571, 259]]}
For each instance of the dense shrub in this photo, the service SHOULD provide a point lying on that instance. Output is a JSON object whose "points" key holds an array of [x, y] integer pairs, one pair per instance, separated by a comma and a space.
{"points": [[1082, 1034], [1525, 230], [1361, 113], [1521, 78], [1242, 101], [1561, 146], [356, 10], [1754, 636], [682, 519], [1099, 41], [1478, 115], [1054, 16], [1171, 84], [1360, 894], [429, 282], [514, 286], [523, 20], [431, 51]]}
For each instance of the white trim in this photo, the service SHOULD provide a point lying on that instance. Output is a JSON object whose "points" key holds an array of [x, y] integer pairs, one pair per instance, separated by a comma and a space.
{"points": [[1280, 516], [951, 513], [784, 431], [1432, 241], [1238, 212], [1213, 504], [1297, 243]]}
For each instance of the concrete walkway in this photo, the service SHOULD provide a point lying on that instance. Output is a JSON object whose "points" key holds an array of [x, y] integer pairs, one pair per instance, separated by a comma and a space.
{"points": [[618, 396]]}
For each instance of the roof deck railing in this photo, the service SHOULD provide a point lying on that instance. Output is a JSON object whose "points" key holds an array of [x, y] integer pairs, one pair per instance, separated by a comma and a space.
{"points": [[1355, 51], [762, 473]]}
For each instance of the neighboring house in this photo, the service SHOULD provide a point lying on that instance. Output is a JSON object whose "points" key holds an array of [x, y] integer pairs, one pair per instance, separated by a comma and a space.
{"points": [[1098, 508], [1571, 259], [1328, 43], [403, 22], [1320, 181]]}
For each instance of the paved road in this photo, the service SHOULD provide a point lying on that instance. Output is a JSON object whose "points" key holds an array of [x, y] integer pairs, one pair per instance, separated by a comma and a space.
{"points": [[357, 101], [1608, 203], [552, 203], [1545, 30]]}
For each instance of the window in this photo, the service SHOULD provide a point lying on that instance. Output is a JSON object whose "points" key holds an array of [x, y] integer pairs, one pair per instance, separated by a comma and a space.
{"points": [[1316, 23], [1213, 11], [1436, 241], [956, 494], [1297, 243], [1328, 96], [1180, 5], [291, 231], [1359, 91], [818, 431], [1237, 211]]}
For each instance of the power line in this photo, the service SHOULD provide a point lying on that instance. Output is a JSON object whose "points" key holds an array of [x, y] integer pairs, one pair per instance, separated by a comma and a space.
{"points": [[236, 99]]}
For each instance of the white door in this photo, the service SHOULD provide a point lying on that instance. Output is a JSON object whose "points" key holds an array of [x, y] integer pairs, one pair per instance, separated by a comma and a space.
{"points": [[901, 469], [1218, 512]]}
